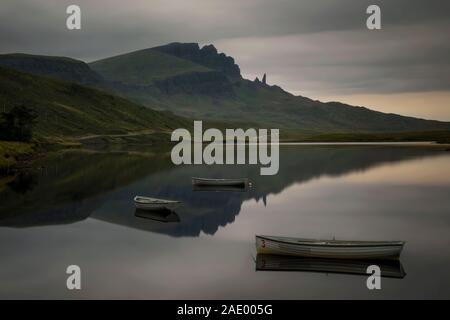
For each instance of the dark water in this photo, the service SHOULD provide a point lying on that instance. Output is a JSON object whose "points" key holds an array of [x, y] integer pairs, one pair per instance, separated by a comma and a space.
{"points": [[76, 208]]}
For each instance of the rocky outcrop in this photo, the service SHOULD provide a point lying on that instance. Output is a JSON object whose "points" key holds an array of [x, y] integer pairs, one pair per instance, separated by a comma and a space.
{"points": [[206, 56], [263, 81]]}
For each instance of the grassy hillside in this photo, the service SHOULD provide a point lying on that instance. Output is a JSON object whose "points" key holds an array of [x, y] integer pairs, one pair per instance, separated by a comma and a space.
{"points": [[172, 78], [270, 103], [244, 101], [68, 110], [143, 67], [61, 68], [270, 106]]}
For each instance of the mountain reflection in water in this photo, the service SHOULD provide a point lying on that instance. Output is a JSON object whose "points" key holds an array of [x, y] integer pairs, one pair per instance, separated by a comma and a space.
{"points": [[72, 186]]}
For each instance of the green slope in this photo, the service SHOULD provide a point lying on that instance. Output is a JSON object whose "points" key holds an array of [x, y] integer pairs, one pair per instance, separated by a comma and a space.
{"points": [[61, 68], [270, 106], [243, 101], [172, 78], [67, 110], [143, 67]]}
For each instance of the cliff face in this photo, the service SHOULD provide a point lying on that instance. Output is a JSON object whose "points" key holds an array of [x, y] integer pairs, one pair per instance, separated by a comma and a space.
{"points": [[206, 56], [211, 83], [60, 68], [176, 68]]}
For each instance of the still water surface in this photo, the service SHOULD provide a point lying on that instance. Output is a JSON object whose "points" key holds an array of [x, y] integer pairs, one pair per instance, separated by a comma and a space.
{"points": [[77, 208]]}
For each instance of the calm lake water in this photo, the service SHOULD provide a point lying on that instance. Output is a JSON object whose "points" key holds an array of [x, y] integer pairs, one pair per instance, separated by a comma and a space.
{"points": [[76, 208]]}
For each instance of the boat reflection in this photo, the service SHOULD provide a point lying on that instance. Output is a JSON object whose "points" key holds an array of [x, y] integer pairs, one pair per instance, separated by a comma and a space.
{"points": [[236, 188], [268, 262], [164, 215]]}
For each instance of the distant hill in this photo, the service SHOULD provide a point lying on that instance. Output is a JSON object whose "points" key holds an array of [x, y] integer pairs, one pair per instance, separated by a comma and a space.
{"points": [[67, 110], [200, 83], [61, 68], [143, 67], [169, 70]]}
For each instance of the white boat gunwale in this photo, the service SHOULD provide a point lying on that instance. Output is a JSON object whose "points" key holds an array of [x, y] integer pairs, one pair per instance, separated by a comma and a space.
{"points": [[148, 200], [331, 243], [148, 203]]}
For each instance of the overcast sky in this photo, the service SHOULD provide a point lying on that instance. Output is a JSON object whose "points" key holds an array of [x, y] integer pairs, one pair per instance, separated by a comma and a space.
{"points": [[316, 48]]}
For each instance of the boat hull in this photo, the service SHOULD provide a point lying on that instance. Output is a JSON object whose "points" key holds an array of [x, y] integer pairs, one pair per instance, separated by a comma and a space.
{"points": [[213, 188], [328, 248], [146, 203]]}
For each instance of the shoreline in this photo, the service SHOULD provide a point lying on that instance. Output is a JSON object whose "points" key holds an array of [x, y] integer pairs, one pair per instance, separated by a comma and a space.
{"points": [[16, 156], [369, 143]]}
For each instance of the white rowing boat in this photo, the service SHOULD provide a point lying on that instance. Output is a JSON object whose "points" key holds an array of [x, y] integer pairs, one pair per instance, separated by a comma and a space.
{"points": [[241, 182], [336, 249], [146, 203]]}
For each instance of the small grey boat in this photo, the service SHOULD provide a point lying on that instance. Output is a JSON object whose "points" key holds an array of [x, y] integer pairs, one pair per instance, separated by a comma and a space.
{"points": [[335, 249], [269, 262], [204, 182], [146, 203]]}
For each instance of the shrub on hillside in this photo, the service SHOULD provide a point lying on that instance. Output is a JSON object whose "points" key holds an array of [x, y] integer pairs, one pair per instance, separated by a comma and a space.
{"points": [[17, 124]]}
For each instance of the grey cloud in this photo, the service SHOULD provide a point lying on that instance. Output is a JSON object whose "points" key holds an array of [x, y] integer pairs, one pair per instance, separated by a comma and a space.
{"points": [[312, 46], [395, 59]]}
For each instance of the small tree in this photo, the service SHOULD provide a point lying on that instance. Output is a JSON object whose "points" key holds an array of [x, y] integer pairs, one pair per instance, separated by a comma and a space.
{"points": [[17, 124]]}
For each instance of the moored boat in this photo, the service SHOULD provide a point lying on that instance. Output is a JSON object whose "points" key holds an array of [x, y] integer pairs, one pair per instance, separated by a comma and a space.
{"points": [[147, 203], [203, 182], [335, 249]]}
